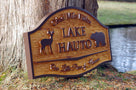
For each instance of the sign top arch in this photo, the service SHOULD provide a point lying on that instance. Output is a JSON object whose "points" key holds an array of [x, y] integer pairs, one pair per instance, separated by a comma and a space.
{"points": [[69, 43]]}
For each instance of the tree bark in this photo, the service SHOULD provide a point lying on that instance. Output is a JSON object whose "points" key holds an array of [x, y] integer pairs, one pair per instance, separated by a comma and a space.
{"points": [[19, 16], [91, 6]]}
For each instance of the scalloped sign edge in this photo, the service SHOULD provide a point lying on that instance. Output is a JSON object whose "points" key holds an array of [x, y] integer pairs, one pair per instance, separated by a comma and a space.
{"points": [[29, 55]]}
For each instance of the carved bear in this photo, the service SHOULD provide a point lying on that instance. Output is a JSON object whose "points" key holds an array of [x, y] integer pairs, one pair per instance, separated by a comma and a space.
{"points": [[99, 37]]}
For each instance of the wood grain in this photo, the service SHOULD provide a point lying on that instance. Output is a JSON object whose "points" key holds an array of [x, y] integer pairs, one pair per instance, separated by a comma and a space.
{"points": [[81, 52]]}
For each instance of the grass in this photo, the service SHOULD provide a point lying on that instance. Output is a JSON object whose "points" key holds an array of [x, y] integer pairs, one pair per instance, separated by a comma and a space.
{"points": [[132, 72], [114, 13], [104, 78]]}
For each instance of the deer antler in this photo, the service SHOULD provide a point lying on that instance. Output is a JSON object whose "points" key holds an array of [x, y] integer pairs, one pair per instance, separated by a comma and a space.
{"points": [[52, 32], [48, 32]]}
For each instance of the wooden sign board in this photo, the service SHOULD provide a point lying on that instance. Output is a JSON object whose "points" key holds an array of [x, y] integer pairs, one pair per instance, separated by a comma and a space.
{"points": [[69, 43]]}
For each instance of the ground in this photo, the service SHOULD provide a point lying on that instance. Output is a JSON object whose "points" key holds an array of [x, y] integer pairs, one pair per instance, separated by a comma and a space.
{"points": [[104, 77]]}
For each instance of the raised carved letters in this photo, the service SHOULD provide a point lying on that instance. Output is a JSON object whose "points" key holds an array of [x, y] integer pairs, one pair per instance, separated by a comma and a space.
{"points": [[74, 32], [67, 68], [69, 43], [74, 45], [70, 15]]}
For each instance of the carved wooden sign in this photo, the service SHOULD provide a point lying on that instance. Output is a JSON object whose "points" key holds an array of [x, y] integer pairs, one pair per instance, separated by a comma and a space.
{"points": [[69, 43]]}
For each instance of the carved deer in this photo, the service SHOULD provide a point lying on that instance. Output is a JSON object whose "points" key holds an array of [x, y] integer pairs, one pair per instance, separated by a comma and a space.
{"points": [[46, 42]]}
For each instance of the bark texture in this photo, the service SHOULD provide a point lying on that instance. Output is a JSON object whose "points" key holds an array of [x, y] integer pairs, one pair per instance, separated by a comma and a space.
{"points": [[19, 16], [91, 6]]}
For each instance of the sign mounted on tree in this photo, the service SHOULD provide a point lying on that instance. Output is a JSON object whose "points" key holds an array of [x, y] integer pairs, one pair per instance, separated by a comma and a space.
{"points": [[69, 43]]}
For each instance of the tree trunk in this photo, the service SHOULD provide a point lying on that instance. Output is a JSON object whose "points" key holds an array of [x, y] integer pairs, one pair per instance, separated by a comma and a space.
{"points": [[90, 5], [19, 16]]}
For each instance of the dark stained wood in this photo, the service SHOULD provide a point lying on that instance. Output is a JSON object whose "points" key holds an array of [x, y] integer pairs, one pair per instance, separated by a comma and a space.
{"points": [[28, 57]]}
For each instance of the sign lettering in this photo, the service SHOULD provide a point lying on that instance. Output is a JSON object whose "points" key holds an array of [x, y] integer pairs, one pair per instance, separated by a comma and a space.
{"points": [[69, 43]]}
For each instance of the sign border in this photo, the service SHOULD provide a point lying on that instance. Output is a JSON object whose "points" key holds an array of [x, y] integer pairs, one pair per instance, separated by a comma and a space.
{"points": [[28, 50]]}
